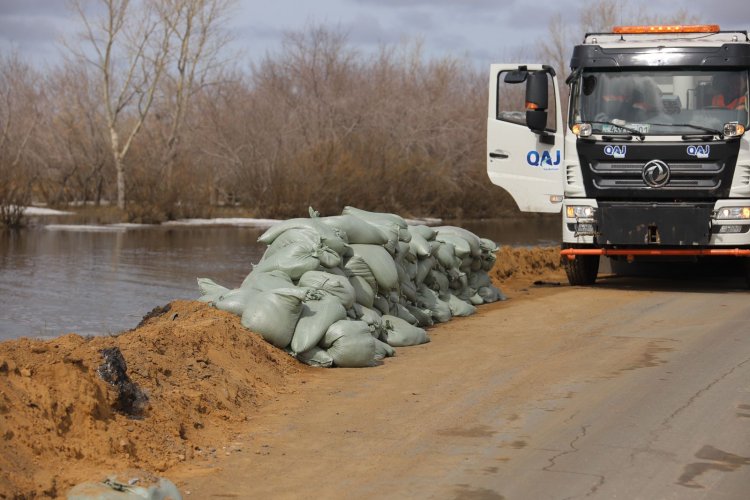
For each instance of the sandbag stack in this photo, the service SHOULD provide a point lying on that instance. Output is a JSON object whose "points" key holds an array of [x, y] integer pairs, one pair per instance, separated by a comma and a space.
{"points": [[344, 290]]}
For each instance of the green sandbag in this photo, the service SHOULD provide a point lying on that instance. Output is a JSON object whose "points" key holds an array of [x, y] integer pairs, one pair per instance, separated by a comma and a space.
{"points": [[357, 266], [459, 282], [423, 316], [316, 317], [380, 263], [332, 284], [393, 226], [235, 301], [411, 268], [383, 350], [293, 236], [409, 290], [441, 311], [210, 290], [381, 304], [363, 292], [424, 266], [429, 299], [418, 245], [274, 314], [479, 279], [446, 255], [332, 238], [488, 246], [440, 284], [263, 281], [491, 294], [316, 357], [476, 300], [488, 262], [337, 270], [400, 333], [350, 344], [461, 248], [403, 252], [369, 316], [111, 489], [357, 230], [476, 265], [377, 217], [471, 238], [459, 307], [425, 232], [403, 313], [295, 260]]}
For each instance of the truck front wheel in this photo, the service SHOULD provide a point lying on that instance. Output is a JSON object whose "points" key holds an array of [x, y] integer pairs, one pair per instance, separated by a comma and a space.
{"points": [[582, 270]]}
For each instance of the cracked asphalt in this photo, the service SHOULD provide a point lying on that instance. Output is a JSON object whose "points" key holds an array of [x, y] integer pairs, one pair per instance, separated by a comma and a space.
{"points": [[634, 389]]}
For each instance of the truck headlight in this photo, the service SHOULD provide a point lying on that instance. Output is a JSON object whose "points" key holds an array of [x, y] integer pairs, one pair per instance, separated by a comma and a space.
{"points": [[579, 211], [733, 129], [733, 213], [582, 129]]}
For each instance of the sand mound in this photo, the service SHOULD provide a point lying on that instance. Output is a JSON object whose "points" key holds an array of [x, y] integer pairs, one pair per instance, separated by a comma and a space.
{"points": [[535, 262], [202, 372]]}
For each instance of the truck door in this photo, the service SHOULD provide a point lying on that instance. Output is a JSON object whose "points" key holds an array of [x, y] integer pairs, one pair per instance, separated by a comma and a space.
{"points": [[527, 164]]}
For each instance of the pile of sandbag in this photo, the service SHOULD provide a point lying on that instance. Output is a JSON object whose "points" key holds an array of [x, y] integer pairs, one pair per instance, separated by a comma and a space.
{"points": [[344, 290]]}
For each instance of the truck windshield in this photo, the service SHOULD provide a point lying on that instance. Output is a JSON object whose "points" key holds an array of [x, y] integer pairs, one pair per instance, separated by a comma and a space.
{"points": [[660, 102]]}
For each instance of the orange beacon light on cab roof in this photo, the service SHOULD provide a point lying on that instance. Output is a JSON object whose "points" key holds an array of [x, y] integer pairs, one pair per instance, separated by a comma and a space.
{"points": [[674, 28]]}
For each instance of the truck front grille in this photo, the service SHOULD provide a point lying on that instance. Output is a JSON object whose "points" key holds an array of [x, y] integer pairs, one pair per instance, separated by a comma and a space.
{"points": [[683, 176]]}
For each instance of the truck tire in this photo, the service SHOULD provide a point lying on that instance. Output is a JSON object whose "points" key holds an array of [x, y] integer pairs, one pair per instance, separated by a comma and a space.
{"points": [[582, 270]]}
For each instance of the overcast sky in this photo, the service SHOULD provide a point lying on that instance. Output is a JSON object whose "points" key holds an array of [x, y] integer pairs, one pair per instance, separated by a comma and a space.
{"points": [[485, 30]]}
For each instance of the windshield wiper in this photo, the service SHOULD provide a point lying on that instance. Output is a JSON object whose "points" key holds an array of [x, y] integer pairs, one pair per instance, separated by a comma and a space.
{"points": [[633, 131], [712, 131]]}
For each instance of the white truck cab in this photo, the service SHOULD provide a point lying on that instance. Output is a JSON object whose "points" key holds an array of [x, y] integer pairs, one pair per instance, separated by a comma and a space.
{"points": [[654, 160]]}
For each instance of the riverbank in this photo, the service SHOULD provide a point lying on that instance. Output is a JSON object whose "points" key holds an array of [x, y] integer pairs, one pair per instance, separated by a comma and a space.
{"points": [[204, 377]]}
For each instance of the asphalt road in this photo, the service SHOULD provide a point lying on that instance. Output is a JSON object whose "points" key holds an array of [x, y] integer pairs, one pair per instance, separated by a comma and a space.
{"points": [[633, 389]]}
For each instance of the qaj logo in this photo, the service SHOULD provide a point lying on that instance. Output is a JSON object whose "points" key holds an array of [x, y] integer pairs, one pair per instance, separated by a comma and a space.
{"points": [[699, 151], [543, 159], [615, 151]]}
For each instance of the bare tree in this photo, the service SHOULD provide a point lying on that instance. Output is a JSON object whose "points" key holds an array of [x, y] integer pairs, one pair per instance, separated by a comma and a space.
{"points": [[128, 47], [20, 115], [197, 27], [75, 144]]}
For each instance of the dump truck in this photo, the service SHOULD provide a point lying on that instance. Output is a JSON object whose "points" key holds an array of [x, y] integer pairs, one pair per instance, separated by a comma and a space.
{"points": [[652, 161]]}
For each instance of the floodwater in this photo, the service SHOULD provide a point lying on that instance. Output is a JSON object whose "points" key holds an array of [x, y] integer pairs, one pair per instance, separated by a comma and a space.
{"points": [[56, 281]]}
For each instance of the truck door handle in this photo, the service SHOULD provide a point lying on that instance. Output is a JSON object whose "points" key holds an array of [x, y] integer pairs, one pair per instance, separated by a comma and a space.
{"points": [[499, 154]]}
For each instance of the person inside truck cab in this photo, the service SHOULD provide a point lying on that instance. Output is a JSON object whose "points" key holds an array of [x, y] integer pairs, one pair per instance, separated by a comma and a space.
{"points": [[645, 100], [732, 92]]}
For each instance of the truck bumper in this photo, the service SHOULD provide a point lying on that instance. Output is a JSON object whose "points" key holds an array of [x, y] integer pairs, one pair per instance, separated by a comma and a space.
{"points": [[653, 226]]}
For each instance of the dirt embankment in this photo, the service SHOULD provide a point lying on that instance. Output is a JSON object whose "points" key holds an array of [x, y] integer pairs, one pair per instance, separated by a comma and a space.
{"points": [[519, 266], [203, 375], [201, 371]]}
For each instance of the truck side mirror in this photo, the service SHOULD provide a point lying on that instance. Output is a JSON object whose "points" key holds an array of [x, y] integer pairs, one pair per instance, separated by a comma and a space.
{"points": [[536, 101], [517, 76]]}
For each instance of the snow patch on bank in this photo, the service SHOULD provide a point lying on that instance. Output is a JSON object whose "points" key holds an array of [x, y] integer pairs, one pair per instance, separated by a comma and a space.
{"points": [[425, 221], [226, 221], [119, 227], [44, 211]]}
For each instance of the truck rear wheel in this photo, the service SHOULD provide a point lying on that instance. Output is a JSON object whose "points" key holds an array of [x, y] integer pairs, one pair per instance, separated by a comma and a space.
{"points": [[582, 270]]}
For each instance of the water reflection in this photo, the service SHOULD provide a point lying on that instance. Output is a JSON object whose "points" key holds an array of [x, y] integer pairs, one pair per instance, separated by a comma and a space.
{"points": [[54, 282]]}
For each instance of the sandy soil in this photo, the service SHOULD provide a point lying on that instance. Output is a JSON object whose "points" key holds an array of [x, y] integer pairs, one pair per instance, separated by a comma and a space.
{"points": [[207, 381], [202, 373]]}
